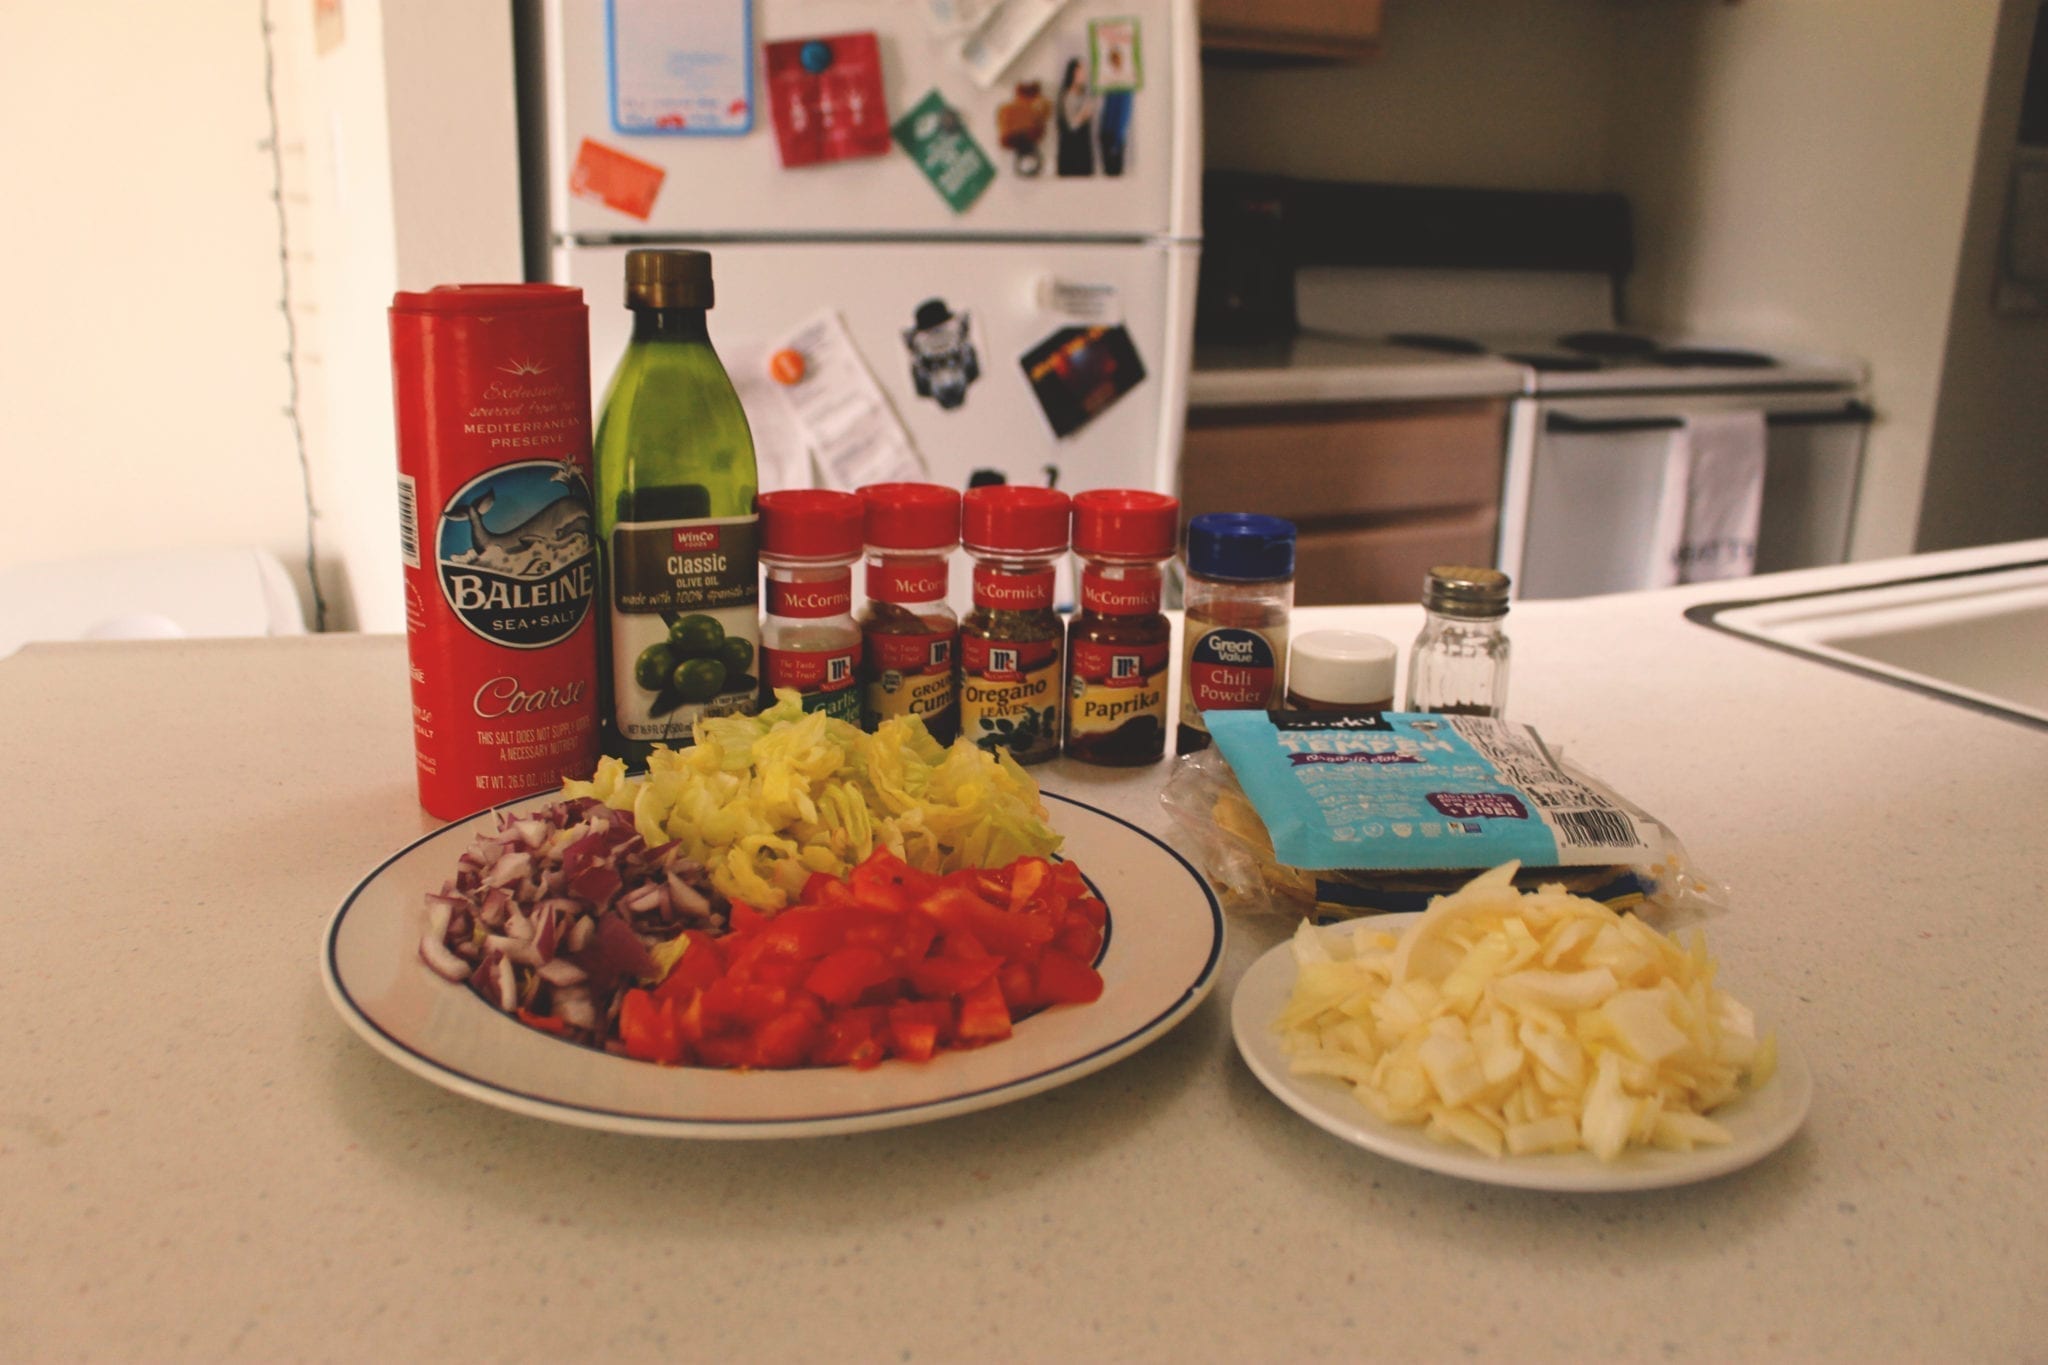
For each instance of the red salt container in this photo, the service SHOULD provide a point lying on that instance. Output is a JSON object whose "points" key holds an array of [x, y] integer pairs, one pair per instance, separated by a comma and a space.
{"points": [[491, 384]]}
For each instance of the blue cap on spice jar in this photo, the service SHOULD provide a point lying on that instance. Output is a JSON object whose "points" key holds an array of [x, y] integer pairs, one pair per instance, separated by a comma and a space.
{"points": [[1242, 546]]}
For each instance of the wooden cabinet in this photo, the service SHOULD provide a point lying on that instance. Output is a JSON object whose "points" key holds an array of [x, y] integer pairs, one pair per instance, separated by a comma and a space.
{"points": [[1329, 29], [1379, 491]]}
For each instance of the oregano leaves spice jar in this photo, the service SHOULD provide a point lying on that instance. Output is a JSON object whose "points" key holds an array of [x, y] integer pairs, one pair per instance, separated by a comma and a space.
{"points": [[1010, 643]]}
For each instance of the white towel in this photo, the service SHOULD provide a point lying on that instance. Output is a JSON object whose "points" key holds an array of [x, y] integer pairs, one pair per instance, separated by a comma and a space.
{"points": [[1717, 460]]}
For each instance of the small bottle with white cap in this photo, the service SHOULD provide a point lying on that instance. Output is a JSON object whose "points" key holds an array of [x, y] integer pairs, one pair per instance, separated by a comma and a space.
{"points": [[1340, 670]]}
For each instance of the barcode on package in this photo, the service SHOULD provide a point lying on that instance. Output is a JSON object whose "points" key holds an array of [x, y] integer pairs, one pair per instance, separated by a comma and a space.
{"points": [[1594, 829], [409, 521]]}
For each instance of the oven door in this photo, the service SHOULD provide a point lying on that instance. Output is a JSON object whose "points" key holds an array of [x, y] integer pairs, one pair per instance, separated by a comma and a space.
{"points": [[1586, 507]]}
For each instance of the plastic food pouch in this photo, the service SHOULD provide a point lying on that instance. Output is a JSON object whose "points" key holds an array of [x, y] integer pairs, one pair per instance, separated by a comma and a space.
{"points": [[1360, 813]]}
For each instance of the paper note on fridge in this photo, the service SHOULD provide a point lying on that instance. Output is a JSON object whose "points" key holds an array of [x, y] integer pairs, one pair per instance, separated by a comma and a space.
{"points": [[854, 434], [681, 69]]}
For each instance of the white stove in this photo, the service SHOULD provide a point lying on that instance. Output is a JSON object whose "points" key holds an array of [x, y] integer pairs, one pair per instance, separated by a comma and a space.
{"points": [[1618, 435]]}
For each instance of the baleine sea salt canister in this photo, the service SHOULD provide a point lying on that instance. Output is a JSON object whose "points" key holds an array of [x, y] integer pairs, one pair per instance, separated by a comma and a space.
{"points": [[492, 388]]}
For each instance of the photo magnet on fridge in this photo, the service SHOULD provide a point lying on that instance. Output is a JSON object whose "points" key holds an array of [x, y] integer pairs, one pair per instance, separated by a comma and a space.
{"points": [[1074, 112], [825, 99], [1078, 372], [942, 358]]}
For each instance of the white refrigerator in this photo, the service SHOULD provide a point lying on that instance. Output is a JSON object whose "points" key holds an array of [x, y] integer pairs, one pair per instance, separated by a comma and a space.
{"points": [[897, 294]]}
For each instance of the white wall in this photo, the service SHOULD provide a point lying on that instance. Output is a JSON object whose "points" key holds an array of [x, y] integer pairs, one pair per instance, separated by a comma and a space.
{"points": [[1801, 171], [142, 379], [1988, 469], [1499, 93], [144, 373]]}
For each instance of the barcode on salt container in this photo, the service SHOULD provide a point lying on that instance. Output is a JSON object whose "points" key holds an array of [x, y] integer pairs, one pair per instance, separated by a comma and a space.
{"points": [[1594, 828], [408, 521]]}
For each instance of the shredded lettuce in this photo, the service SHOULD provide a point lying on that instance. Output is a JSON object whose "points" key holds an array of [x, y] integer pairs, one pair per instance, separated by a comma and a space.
{"points": [[764, 801]]}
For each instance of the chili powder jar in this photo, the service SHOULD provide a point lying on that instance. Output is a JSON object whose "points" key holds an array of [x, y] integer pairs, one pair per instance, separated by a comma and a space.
{"points": [[809, 643], [1240, 592], [908, 632], [1010, 643], [1119, 643]]}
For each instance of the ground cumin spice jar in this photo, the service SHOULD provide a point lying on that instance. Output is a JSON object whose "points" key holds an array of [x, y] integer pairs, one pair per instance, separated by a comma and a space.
{"points": [[1240, 593], [1010, 641], [1119, 642], [908, 633]]}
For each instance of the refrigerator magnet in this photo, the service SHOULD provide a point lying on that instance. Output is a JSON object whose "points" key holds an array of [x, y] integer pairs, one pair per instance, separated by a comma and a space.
{"points": [[846, 420], [1077, 373], [947, 154], [1074, 112], [825, 99], [684, 70], [942, 356], [1021, 124], [618, 181], [1115, 61], [1002, 33]]}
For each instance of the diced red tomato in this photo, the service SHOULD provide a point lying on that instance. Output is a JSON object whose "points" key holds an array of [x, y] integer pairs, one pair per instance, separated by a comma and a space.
{"points": [[1062, 980], [842, 976], [984, 1018], [647, 1027], [889, 961], [943, 977]]}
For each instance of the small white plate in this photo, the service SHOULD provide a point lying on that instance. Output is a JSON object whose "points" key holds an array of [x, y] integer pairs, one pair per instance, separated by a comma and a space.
{"points": [[1159, 960], [1761, 1121]]}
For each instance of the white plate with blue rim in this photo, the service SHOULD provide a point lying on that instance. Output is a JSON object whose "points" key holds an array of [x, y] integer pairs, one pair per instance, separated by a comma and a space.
{"points": [[1159, 960]]}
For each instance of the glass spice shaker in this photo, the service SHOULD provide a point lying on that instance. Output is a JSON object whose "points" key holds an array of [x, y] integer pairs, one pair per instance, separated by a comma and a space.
{"points": [[909, 634], [1240, 593], [1119, 642], [810, 538], [1010, 642], [1340, 670], [1459, 663]]}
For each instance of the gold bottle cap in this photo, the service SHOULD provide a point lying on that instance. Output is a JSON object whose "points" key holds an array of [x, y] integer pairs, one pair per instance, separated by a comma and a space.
{"points": [[1465, 590], [670, 278]]}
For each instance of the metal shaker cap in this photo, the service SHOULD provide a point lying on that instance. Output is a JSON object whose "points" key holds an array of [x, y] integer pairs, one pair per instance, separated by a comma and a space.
{"points": [[1465, 591]]}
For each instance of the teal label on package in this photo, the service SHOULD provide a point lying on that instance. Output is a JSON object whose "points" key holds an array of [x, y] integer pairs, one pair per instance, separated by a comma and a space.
{"points": [[943, 149], [1415, 790]]}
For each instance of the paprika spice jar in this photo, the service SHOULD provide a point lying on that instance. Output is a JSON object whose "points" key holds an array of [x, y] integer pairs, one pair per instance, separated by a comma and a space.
{"points": [[1240, 593], [1119, 643], [1010, 643]]}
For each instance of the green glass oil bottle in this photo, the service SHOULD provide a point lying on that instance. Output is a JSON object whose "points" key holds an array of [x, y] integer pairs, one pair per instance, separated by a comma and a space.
{"points": [[676, 485]]}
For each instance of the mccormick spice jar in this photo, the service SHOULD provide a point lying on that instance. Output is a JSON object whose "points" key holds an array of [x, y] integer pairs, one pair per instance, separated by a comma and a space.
{"points": [[491, 384], [908, 633], [1010, 641], [1240, 591], [1119, 643], [809, 643]]}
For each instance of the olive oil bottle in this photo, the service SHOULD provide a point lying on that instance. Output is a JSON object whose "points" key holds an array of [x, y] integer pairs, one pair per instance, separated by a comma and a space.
{"points": [[676, 484]]}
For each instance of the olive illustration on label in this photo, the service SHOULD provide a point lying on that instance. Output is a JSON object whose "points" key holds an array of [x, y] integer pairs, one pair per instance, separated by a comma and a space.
{"points": [[695, 664]]}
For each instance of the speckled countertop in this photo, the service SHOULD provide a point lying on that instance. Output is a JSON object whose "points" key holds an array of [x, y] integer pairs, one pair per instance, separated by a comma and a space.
{"points": [[198, 1160], [1313, 367]]}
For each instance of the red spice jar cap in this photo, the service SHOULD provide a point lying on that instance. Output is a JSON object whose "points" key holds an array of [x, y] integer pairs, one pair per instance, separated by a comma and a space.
{"points": [[1019, 518], [1126, 523], [912, 516], [811, 523]]}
